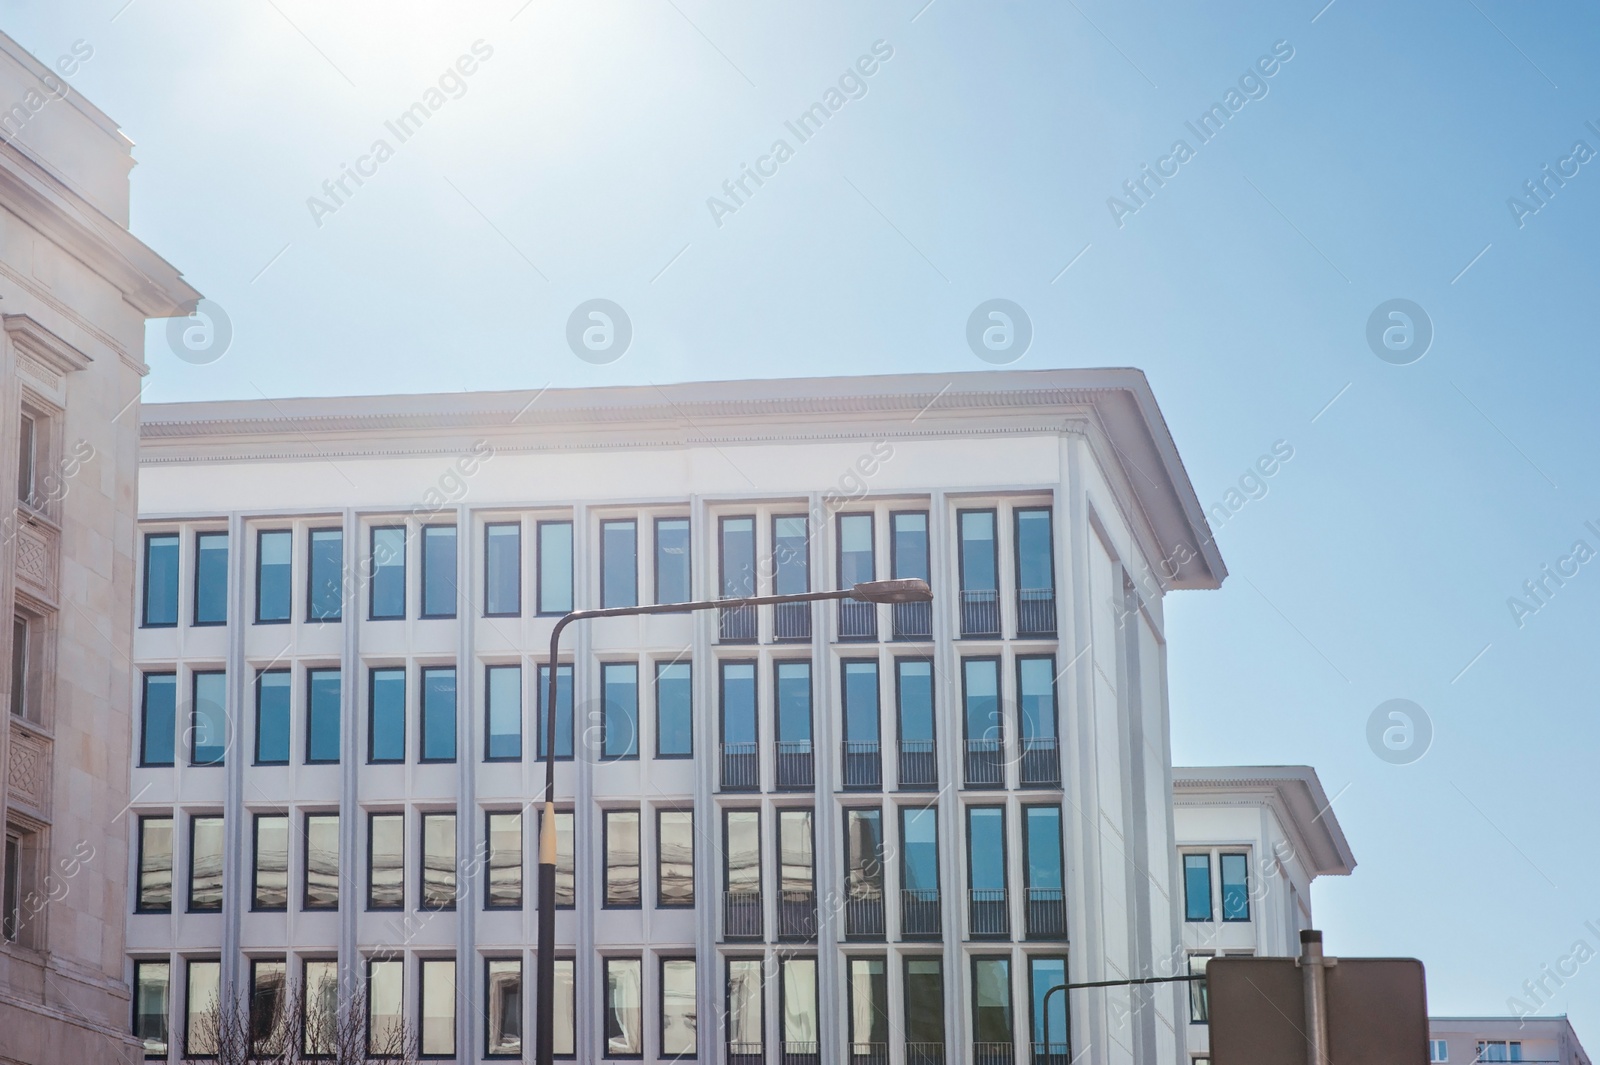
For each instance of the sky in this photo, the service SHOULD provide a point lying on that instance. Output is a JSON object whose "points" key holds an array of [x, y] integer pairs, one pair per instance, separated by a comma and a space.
{"points": [[1384, 157]]}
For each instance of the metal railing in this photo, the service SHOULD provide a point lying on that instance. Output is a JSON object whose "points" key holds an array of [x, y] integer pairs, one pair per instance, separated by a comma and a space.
{"points": [[988, 913], [1053, 1054], [924, 1054], [863, 916], [1041, 762], [1036, 612], [913, 621], [993, 1054], [919, 764], [919, 913], [869, 1054], [1046, 913], [858, 620], [737, 624], [980, 613], [800, 1054], [791, 621], [741, 915], [741, 767], [986, 763], [747, 1054], [863, 764], [797, 914], [795, 768]]}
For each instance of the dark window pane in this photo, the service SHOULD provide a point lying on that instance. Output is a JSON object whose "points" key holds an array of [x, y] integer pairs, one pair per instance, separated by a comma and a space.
{"points": [[986, 848], [924, 995], [439, 714], [1043, 828], [271, 888], [386, 716], [161, 579], [325, 594], [211, 578], [160, 712], [910, 546], [27, 443], [621, 830], [1197, 887], [209, 719], [267, 1004], [675, 858], [1036, 690], [863, 874], [205, 864], [555, 567], [155, 865], [438, 571], [151, 989], [794, 702], [674, 710], [273, 586], [505, 861], [791, 561], [672, 560], [1235, 887], [272, 717], [619, 695], [563, 710], [855, 549], [977, 551], [738, 557], [438, 861], [991, 1000], [619, 564], [503, 999], [738, 702], [502, 579], [389, 572], [504, 701], [322, 862], [21, 700], [322, 715], [861, 702], [386, 866]]}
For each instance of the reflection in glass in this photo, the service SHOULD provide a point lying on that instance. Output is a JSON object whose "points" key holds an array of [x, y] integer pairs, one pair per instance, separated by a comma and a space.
{"points": [[563, 710], [555, 567], [505, 861], [564, 1037], [208, 737], [161, 579], [386, 866], [155, 865], [624, 1008], [678, 1020], [200, 1030], [151, 983], [386, 717], [322, 716], [160, 710], [675, 857], [991, 1000], [388, 573], [503, 995], [438, 1006], [619, 564], [385, 1003], [502, 577], [504, 701], [439, 714], [325, 595], [205, 864], [273, 587], [319, 1007], [622, 857], [271, 889], [272, 717], [267, 989], [619, 695], [438, 861], [746, 1027], [672, 560], [799, 1017], [211, 578], [674, 721], [322, 862], [438, 571]]}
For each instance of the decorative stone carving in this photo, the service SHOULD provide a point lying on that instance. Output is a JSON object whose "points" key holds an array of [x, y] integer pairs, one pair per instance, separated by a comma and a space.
{"points": [[29, 771], [36, 560]]}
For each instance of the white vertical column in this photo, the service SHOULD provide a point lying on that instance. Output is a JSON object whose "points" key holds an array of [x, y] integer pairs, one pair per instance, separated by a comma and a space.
{"points": [[947, 701], [350, 759], [825, 825], [585, 830], [468, 826], [707, 833], [236, 834]]}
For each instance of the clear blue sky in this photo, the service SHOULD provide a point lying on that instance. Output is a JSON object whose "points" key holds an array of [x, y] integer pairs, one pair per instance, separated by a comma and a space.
{"points": [[577, 163]]}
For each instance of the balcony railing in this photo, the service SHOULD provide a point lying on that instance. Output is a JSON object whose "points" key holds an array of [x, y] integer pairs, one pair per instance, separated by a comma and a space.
{"points": [[1047, 913], [913, 621], [980, 613], [924, 1054], [863, 916], [747, 1054], [988, 913], [791, 621], [797, 915], [993, 1054], [800, 1054], [986, 763], [738, 624], [741, 767], [1041, 762], [741, 915], [919, 764], [857, 620], [1054, 1054], [869, 1054], [919, 913], [1036, 612], [794, 765], [863, 764]]}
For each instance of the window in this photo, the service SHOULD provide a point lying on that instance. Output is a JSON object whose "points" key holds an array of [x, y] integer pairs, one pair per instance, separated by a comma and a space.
{"points": [[791, 575], [388, 567], [439, 714], [273, 588], [386, 861], [438, 1036], [272, 717], [738, 559], [919, 849], [991, 1008], [1438, 1050], [502, 569], [863, 857], [741, 869], [740, 765], [563, 710], [11, 893], [1199, 999], [566, 891], [503, 708], [797, 987], [205, 864], [869, 1009], [674, 858], [924, 1009], [1197, 887], [1042, 867], [863, 767], [203, 986], [564, 1038], [270, 883], [913, 690], [856, 563], [325, 587], [674, 710], [503, 885], [21, 687], [208, 738], [438, 861], [1235, 887], [321, 888], [746, 1020], [985, 736], [980, 595], [986, 870], [160, 580], [438, 571], [1036, 602], [211, 578], [624, 1023], [386, 715], [502, 983], [678, 1020], [1045, 973], [619, 699], [1036, 691], [1499, 1050], [672, 561], [319, 1007], [909, 545], [796, 876], [267, 979], [155, 866], [151, 983], [555, 567], [322, 716], [386, 989], [619, 563], [621, 844], [27, 450], [158, 713]]}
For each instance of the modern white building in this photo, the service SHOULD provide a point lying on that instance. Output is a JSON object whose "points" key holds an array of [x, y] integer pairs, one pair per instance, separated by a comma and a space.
{"points": [[1251, 839], [833, 833], [1468, 1040]]}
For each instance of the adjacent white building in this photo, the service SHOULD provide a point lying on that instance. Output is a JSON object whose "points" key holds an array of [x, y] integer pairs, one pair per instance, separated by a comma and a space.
{"points": [[1468, 1040], [826, 834]]}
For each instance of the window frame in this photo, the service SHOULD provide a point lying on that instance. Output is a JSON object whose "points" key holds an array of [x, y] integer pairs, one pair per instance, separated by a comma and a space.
{"points": [[289, 613], [844, 700], [172, 861], [489, 902], [778, 665], [144, 719], [488, 557], [899, 711], [803, 560], [542, 683], [688, 551], [522, 1008], [902, 810], [632, 754], [133, 1028], [606, 814], [422, 998], [850, 960], [1035, 1007], [722, 556], [1005, 847], [423, 905], [194, 709], [422, 715], [961, 555], [177, 580], [1048, 510], [255, 861], [894, 540], [603, 525], [660, 864], [722, 698], [372, 960], [1211, 902], [1027, 846], [189, 1013], [312, 672], [372, 707], [288, 724], [606, 1006], [761, 886], [1011, 993], [488, 712], [372, 816], [838, 543], [373, 569], [661, 1005], [784, 960], [1222, 880], [687, 663], [999, 723], [222, 890], [846, 813], [760, 998], [194, 604], [306, 906], [1055, 699], [539, 575], [424, 533], [907, 960], [311, 574]]}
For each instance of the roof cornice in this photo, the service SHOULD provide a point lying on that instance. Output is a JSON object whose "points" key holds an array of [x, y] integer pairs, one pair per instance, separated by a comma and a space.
{"points": [[1296, 793], [33, 339]]}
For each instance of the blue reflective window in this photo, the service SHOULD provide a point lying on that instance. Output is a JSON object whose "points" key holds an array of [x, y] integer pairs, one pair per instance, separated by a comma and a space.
{"points": [[272, 717], [388, 572], [211, 578], [981, 691], [909, 532], [794, 702], [438, 571], [1036, 691], [502, 569], [208, 726], [273, 587], [159, 713], [325, 593], [738, 702], [1044, 974], [1235, 887], [1042, 842], [986, 848], [674, 710], [855, 549], [1035, 559], [1197, 887], [790, 557], [161, 580], [619, 563], [914, 696], [555, 567], [563, 710], [619, 696], [978, 566], [919, 848], [861, 702], [503, 692], [322, 716], [738, 558], [672, 560], [386, 716], [439, 714]]}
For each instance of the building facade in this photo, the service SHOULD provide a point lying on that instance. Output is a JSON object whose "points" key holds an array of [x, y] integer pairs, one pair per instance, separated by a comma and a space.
{"points": [[1251, 839], [75, 290], [1470, 1040], [836, 832]]}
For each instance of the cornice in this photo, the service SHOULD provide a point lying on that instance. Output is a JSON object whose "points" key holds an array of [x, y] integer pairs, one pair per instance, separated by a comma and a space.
{"points": [[35, 340]]}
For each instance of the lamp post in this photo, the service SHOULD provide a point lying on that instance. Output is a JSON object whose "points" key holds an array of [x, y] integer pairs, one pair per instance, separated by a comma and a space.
{"points": [[896, 591]]}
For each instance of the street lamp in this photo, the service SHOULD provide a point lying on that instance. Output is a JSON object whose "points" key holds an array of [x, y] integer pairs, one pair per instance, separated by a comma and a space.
{"points": [[896, 591]]}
